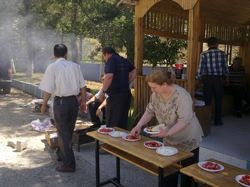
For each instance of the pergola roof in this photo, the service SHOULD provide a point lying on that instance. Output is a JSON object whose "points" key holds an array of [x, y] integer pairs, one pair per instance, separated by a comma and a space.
{"points": [[194, 21], [230, 11]]}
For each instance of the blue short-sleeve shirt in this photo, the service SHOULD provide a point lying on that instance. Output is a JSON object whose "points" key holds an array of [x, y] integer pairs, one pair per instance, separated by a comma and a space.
{"points": [[120, 67]]}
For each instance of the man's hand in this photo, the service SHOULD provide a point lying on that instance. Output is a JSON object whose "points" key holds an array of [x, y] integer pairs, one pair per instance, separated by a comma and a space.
{"points": [[43, 109], [98, 112], [83, 107]]}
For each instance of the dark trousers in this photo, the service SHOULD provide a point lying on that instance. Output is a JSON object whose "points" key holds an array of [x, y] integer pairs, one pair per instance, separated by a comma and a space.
{"points": [[117, 110], [239, 94], [213, 83], [185, 180], [95, 119], [65, 115]]}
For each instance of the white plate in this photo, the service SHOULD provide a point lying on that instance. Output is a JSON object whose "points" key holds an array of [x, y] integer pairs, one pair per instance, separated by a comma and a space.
{"points": [[210, 170], [149, 132], [238, 177], [105, 132], [130, 140], [153, 147], [172, 151], [116, 134]]}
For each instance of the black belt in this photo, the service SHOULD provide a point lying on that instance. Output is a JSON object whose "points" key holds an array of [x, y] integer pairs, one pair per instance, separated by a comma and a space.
{"points": [[57, 97]]}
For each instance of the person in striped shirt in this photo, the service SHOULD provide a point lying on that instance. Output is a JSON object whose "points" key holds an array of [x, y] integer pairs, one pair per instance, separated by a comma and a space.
{"points": [[237, 85], [213, 65]]}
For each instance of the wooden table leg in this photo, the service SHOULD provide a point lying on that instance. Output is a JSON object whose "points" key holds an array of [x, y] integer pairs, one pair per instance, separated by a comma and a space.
{"points": [[97, 163]]}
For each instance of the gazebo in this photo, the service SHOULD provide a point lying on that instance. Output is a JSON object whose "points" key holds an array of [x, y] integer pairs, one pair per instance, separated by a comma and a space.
{"points": [[194, 21]]}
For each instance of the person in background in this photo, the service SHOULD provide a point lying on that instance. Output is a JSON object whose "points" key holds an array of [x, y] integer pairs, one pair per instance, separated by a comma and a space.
{"points": [[119, 74], [237, 86], [63, 80], [172, 106], [213, 64], [95, 107]]}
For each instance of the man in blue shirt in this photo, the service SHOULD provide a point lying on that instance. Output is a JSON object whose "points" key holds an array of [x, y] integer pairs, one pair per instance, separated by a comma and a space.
{"points": [[213, 64], [119, 74]]}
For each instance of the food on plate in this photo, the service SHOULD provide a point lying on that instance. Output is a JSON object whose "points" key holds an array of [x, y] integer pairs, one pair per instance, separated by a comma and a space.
{"points": [[153, 144], [117, 133], [105, 130], [131, 137], [156, 128], [211, 166], [245, 179], [164, 151]]}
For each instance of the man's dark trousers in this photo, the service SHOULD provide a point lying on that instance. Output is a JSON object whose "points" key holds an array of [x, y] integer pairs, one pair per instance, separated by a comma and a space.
{"points": [[95, 119], [117, 110], [213, 83], [65, 115]]}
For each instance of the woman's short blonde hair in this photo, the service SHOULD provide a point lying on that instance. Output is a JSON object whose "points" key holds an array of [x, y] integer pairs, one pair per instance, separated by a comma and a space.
{"points": [[158, 76]]}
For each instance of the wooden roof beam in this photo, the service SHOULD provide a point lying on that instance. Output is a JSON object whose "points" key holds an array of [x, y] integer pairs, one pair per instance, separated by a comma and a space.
{"points": [[186, 5]]}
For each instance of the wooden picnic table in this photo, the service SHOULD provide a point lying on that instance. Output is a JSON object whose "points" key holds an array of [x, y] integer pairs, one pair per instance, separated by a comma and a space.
{"points": [[137, 154], [224, 178]]}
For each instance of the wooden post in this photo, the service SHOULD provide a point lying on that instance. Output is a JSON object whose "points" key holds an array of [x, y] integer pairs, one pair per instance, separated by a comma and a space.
{"points": [[192, 53], [244, 51], [138, 61]]}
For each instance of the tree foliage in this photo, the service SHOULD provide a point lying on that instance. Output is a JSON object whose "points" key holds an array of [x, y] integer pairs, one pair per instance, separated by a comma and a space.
{"points": [[162, 51], [36, 25]]}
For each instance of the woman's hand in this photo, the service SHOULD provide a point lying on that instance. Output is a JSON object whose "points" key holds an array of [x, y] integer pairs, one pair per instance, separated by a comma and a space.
{"points": [[136, 130], [162, 134]]}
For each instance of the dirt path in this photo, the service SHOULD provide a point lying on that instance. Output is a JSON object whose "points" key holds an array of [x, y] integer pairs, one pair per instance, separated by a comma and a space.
{"points": [[35, 165]]}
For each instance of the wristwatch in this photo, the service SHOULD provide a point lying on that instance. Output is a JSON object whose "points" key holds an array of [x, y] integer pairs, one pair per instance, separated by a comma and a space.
{"points": [[103, 91]]}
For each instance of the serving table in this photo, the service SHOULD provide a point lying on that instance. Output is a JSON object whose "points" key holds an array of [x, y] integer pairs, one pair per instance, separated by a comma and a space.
{"points": [[137, 154], [224, 178]]}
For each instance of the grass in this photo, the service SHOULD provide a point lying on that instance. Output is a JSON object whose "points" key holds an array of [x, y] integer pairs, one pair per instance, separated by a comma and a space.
{"points": [[37, 77]]}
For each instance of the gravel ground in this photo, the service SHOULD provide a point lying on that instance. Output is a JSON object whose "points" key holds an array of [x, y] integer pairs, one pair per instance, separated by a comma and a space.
{"points": [[34, 166]]}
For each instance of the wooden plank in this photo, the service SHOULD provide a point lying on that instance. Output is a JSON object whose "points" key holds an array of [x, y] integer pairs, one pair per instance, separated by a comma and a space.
{"points": [[186, 4], [165, 34]]}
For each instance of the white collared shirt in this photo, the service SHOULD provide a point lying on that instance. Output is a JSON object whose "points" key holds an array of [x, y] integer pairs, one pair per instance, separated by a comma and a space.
{"points": [[97, 96], [62, 78]]}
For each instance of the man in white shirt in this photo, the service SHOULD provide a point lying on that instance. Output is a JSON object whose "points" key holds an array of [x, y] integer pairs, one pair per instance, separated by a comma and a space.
{"points": [[63, 80], [96, 107]]}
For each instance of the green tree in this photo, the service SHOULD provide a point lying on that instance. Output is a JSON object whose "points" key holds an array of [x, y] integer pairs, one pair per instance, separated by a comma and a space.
{"points": [[162, 51]]}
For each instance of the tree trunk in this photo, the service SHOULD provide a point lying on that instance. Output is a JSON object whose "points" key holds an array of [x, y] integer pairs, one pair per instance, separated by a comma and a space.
{"points": [[29, 36], [12, 60], [80, 49], [74, 49], [30, 62]]}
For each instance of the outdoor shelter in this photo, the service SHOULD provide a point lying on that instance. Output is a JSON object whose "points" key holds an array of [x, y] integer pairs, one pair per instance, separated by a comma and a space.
{"points": [[194, 21]]}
